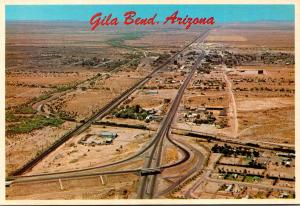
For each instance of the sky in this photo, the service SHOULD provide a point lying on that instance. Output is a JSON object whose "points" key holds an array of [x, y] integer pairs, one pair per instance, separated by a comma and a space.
{"points": [[221, 13]]}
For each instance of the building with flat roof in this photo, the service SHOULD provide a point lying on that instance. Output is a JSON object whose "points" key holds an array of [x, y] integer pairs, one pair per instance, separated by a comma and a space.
{"points": [[107, 134]]}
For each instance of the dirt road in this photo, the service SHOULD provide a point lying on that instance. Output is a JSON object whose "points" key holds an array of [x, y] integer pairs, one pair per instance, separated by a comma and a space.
{"points": [[232, 105]]}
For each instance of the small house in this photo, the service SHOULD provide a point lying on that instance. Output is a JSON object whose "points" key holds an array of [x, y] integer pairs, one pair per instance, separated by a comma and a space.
{"points": [[107, 134], [151, 92]]}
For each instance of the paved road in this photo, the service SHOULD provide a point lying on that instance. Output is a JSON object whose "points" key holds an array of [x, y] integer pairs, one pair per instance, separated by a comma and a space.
{"points": [[100, 114], [92, 170], [148, 182], [189, 193], [195, 164]]}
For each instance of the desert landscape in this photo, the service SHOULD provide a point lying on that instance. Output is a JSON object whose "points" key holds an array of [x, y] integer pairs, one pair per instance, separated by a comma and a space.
{"points": [[204, 113]]}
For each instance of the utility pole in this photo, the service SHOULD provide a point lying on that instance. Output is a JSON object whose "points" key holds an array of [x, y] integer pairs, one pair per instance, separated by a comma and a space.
{"points": [[60, 184], [102, 180]]}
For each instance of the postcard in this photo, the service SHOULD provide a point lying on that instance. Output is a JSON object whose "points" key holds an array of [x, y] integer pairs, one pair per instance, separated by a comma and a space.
{"points": [[118, 103]]}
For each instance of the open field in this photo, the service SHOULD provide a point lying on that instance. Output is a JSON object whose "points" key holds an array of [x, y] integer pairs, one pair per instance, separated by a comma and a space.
{"points": [[115, 187], [254, 37], [21, 148], [17, 95], [162, 39], [78, 156], [265, 104], [220, 113]]}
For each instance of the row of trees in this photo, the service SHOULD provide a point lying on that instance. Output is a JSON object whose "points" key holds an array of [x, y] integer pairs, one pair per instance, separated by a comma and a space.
{"points": [[131, 112], [227, 150]]}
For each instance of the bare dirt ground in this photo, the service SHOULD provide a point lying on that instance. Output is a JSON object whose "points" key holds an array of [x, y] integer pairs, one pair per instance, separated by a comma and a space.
{"points": [[264, 106], [115, 187], [254, 37], [207, 91], [170, 154], [163, 39], [266, 111], [22, 87], [264, 103], [17, 95], [23, 147], [38, 62], [81, 103], [73, 155], [49, 79], [209, 99], [275, 125], [150, 101], [260, 104]]}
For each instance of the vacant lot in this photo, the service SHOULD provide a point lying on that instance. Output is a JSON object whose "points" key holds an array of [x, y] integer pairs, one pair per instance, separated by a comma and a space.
{"points": [[21, 148], [254, 37], [73, 155]]}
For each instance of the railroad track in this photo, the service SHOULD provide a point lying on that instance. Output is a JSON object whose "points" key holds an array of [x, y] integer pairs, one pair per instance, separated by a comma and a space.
{"points": [[68, 175], [100, 114], [227, 139], [94, 170]]}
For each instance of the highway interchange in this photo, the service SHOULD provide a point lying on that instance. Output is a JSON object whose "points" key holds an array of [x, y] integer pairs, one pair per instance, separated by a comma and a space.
{"points": [[151, 153]]}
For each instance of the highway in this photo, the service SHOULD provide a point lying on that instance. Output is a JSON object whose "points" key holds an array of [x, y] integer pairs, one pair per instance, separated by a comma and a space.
{"points": [[152, 150], [195, 163], [101, 113], [148, 182], [94, 170], [154, 142], [89, 173]]}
